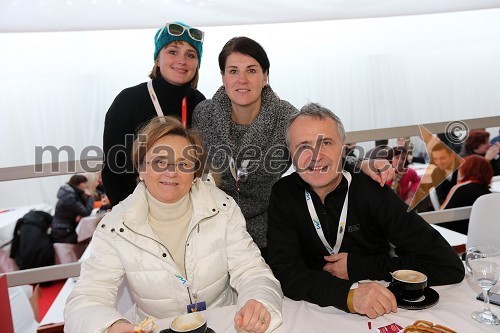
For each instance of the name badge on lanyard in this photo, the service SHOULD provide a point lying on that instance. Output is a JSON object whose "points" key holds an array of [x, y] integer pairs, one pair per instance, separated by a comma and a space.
{"points": [[195, 306], [342, 220]]}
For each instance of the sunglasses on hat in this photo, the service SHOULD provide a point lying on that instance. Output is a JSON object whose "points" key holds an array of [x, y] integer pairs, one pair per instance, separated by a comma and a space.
{"points": [[175, 29]]}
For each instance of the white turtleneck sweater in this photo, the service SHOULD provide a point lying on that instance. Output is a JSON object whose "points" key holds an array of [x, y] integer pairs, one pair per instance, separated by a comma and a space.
{"points": [[170, 222]]}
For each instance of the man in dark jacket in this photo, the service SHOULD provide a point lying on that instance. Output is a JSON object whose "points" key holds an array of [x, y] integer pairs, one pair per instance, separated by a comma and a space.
{"points": [[444, 176], [329, 229]]}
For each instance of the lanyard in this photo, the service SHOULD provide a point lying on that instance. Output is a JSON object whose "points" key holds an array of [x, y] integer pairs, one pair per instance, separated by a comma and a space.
{"points": [[239, 174], [186, 284], [342, 220], [158, 109]]}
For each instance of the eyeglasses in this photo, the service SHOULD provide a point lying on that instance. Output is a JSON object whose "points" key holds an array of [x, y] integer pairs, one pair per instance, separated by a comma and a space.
{"points": [[161, 165], [175, 29]]}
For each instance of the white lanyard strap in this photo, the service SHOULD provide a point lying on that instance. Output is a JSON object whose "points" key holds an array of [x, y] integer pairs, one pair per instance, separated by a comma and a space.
{"points": [[154, 99], [342, 220]]}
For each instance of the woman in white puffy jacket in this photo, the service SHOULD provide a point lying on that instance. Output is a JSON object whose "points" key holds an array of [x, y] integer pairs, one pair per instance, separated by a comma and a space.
{"points": [[179, 240]]}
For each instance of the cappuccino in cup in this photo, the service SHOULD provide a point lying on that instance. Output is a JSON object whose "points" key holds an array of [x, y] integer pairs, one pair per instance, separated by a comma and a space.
{"points": [[193, 322], [408, 285], [409, 276]]}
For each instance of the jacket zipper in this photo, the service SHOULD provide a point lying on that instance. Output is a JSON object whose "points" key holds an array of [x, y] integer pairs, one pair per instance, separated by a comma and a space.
{"points": [[185, 247], [185, 250]]}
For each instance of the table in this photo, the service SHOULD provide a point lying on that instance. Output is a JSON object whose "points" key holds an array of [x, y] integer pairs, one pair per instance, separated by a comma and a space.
{"points": [[495, 184], [424, 171], [86, 227], [453, 310], [457, 240], [55, 314], [455, 305], [9, 217]]}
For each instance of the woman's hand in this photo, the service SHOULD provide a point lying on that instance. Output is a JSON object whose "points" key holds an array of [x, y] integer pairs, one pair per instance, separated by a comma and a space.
{"points": [[121, 326], [492, 152], [253, 316], [379, 170]]}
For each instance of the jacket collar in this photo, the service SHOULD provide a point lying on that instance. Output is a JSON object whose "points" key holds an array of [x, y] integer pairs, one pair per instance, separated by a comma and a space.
{"points": [[136, 214]]}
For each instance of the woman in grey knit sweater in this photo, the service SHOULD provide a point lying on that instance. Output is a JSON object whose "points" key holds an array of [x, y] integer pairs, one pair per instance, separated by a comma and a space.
{"points": [[243, 127]]}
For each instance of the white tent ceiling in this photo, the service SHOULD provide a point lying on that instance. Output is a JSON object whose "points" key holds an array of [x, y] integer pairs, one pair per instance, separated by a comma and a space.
{"points": [[68, 15]]}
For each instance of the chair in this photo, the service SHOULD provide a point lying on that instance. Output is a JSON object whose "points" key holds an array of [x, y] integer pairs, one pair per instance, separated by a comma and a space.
{"points": [[484, 222], [22, 312], [68, 253], [434, 198], [7, 264], [51, 328]]}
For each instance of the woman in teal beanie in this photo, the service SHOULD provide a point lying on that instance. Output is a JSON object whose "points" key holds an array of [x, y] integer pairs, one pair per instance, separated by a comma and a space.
{"points": [[172, 90]]}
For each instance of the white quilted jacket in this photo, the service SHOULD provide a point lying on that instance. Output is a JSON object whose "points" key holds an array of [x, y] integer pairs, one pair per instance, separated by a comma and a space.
{"points": [[222, 263]]}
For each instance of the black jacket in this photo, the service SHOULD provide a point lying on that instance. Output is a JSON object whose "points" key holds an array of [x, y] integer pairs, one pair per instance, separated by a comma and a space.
{"points": [[463, 196], [131, 109], [71, 203], [31, 245], [442, 184], [376, 216]]}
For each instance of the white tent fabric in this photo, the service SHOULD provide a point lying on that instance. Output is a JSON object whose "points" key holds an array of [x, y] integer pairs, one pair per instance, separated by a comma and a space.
{"points": [[55, 88]]}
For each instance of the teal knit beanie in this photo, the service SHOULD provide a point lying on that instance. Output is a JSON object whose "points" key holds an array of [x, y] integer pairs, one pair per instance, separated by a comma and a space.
{"points": [[163, 37]]}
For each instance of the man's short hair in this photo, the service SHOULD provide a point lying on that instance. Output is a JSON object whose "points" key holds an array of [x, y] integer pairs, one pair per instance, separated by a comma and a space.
{"points": [[316, 111], [441, 146]]}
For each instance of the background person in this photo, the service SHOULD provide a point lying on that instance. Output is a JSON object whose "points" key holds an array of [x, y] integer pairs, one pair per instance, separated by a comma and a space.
{"points": [[406, 181], [174, 79], [478, 143], [444, 176], [174, 227], [474, 179], [74, 202], [380, 151], [496, 138], [359, 220], [243, 127]]}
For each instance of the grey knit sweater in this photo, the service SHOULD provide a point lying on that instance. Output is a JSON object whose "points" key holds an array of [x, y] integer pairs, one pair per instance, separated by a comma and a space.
{"points": [[262, 143]]}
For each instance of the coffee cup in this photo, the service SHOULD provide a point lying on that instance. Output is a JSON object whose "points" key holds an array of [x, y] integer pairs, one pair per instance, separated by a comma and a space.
{"points": [[408, 284], [193, 322]]}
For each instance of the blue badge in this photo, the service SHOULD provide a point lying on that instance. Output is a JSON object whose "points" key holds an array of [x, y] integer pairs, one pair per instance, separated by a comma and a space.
{"points": [[199, 306]]}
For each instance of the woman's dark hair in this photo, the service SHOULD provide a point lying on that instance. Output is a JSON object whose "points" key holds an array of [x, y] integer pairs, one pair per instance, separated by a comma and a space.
{"points": [[76, 180], [476, 168], [475, 139], [246, 46]]}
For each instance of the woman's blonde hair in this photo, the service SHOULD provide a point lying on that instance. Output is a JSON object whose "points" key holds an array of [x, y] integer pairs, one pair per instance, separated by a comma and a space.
{"points": [[92, 177], [159, 127]]}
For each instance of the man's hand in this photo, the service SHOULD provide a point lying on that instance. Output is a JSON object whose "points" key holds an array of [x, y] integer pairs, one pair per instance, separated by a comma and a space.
{"points": [[337, 265], [373, 300], [253, 316], [379, 170]]}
